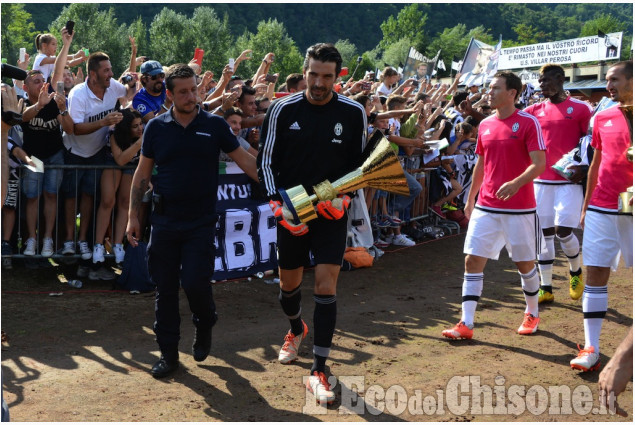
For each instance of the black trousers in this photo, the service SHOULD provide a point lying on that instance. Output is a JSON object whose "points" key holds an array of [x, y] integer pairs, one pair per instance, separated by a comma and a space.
{"points": [[181, 258]]}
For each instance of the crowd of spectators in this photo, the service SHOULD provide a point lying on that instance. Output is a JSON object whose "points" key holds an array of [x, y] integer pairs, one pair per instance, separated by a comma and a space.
{"points": [[94, 125]]}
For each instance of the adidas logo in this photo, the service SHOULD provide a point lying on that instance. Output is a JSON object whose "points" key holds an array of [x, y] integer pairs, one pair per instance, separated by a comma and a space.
{"points": [[295, 126], [541, 114], [608, 124], [486, 132]]}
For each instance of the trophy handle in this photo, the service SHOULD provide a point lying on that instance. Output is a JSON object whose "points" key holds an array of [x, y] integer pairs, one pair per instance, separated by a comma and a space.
{"points": [[287, 201]]}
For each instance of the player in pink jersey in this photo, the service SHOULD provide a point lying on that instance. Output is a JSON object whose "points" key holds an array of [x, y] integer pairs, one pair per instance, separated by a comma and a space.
{"points": [[564, 120], [510, 155], [607, 233]]}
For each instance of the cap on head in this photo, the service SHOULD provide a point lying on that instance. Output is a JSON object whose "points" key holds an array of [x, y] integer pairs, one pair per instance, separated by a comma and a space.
{"points": [[151, 68]]}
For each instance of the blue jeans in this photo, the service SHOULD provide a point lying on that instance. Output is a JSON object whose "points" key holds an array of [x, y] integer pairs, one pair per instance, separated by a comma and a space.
{"points": [[402, 202], [50, 180]]}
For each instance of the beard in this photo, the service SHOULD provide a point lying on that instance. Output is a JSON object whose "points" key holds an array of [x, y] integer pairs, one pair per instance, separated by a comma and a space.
{"points": [[319, 93]]}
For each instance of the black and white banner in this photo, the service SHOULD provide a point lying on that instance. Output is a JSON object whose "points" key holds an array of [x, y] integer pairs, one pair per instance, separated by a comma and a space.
{"points": [[245, 232]]}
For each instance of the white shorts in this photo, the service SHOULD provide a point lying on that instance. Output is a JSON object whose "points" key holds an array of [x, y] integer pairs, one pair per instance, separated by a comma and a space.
{"points": [[605, 237], [559, 204], [489, 232]]}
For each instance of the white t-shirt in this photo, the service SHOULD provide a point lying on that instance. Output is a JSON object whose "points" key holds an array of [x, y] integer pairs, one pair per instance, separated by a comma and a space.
{"points": [[384, 90], [84, 107], [46, 70]]}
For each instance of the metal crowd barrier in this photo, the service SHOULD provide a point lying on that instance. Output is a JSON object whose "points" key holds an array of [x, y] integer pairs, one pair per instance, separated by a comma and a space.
{"points": [[20, 232]]}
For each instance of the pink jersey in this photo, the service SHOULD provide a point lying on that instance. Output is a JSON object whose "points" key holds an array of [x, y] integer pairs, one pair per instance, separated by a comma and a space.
{"points": [[563, 125], [505, 146], [611, 135]]}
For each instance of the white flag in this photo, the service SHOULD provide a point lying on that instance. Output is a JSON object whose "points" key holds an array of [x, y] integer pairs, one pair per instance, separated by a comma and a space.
{"points": [[456, 65], [441, 65]]}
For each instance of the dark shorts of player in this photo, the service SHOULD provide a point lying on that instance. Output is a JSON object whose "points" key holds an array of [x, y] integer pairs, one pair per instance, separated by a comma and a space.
{"points": [[326, 239]]}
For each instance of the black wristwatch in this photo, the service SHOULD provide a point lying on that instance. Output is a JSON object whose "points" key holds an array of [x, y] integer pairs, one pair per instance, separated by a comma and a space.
{"points": [[64, 113]]}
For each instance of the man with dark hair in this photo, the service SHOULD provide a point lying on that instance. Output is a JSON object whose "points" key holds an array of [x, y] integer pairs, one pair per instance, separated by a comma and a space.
{"points": [[510, 155], [308, 137], [184, 143], [564, 120], [608, 231], [93, 107], [295, 83], [150, 100]]}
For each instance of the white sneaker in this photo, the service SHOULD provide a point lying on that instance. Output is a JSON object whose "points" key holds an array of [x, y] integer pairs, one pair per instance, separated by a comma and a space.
{"points": [[69, 248], [402, 240], [98, 253], [119, 253], [289, 350], [82, 271], [318, 385], [84, 250], [101, 273], [30, 247], [47, 247], [587, 360]]}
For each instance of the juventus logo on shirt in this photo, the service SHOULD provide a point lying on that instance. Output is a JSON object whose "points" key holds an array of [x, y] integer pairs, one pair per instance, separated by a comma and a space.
{"points": [[570, 110], [338, 129], [515, 127]]}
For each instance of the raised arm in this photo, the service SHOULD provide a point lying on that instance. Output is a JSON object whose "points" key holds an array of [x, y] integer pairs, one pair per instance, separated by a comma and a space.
{"points": [[60, 60]]}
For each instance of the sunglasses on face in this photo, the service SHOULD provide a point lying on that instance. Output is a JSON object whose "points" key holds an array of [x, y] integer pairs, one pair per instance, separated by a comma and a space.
{"points": [[154, 77]]}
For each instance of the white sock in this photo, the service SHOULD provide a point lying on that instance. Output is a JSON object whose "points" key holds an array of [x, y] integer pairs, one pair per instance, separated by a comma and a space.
{"points": [[571, 248], [472, 288], [545, 262], [531, 284], [595, 301]]}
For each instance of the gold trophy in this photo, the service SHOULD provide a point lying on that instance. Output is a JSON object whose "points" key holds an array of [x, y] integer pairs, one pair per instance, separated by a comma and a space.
{"points": [[381, 170], [625, 200]]}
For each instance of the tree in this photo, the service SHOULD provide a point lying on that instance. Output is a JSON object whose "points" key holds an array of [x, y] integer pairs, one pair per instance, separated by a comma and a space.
{"points": [[171, 38], [97, 30], [396, 53], [138, 30], [604, 22], [527, 34], [271, 37], [212, 35], [347, 50], [17, 31], [410, 23]]}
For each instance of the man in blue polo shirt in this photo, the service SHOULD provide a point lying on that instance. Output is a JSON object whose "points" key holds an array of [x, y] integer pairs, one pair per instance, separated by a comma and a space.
{"points": [[150, 100], [184, 143]]}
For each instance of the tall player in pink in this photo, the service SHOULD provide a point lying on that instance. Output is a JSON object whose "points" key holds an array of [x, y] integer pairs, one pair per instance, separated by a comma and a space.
{"points": [[511, 154], [607, 233], [564, 120]]}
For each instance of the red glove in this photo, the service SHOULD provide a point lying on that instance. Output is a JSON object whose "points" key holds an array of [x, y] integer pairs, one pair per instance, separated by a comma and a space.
{"points": [[334, 210], [284, 217]]}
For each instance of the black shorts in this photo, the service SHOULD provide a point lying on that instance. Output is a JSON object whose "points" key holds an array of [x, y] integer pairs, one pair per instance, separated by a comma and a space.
{"points": [[326, 239]]}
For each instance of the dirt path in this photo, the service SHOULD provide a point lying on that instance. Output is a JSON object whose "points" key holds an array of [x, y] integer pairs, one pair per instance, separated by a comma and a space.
{"points": [[85, 355]]}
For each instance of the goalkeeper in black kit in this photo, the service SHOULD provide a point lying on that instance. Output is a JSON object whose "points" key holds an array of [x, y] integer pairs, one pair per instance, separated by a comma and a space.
{"points": [[309, 137]]}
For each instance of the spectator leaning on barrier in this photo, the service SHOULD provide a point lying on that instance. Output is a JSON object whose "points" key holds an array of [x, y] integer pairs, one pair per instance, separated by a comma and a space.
{"points": [[150, 100], [124, 143], [15, 156], [93, 107], [42, 138]]}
